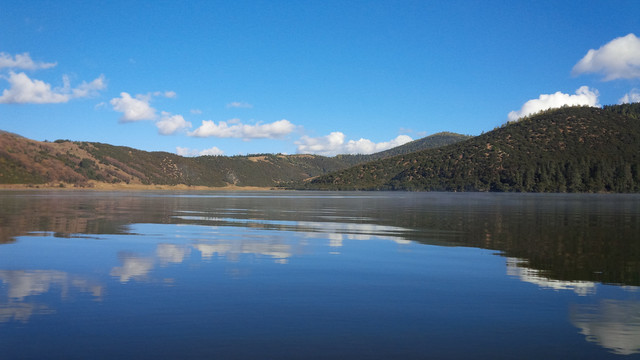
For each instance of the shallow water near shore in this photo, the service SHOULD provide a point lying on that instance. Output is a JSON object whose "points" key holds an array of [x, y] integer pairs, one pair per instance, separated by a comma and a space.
{"points": [[379, 275]]}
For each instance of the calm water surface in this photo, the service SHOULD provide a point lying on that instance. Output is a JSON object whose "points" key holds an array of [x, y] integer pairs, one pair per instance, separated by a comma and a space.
{"points": [[317, 275]]}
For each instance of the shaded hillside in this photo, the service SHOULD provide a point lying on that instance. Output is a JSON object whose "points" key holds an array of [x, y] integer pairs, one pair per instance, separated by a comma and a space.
{"points": [[429, 142], [572, 149], [25, 161]]}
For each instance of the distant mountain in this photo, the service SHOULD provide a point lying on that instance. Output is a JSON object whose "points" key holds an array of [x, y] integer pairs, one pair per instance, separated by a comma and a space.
{"points": [[572, 149], [429, 142], [25, 161]]}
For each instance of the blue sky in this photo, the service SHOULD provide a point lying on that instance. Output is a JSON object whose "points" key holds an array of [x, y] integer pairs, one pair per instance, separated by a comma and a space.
{"points": [[325, 77]]}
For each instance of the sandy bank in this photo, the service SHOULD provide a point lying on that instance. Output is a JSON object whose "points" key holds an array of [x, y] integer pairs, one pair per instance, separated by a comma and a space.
{"points": [[99, 186]]}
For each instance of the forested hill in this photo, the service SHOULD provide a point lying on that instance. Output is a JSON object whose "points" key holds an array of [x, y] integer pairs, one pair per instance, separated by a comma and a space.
{"points": [[25, 161], [572, 149]]}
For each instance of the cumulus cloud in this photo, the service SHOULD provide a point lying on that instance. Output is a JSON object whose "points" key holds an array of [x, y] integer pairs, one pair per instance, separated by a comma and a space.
{"points": [[618, 59], [631, 97], [235, 129], [183, 151], [583, 96], [170, 124], [133, 109], [24, 90], [22, 61], [334, 144], [239, 104]]}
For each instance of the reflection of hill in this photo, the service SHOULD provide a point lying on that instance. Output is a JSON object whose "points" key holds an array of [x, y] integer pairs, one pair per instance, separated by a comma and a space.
{"points": [[584, 237], [564, 237], [64, 214], [612, 324]]}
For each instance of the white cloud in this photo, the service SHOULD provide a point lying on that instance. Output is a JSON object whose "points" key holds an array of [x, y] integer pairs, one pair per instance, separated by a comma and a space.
{"points": [[631, 97], [334, 144], [196, 111], [170, 124], [89, 89], [133, 109], [167, 94], [22, 61], [235, 129], [214, 151], [24, 90], [618, 59], [239, 104], [583, 96]]}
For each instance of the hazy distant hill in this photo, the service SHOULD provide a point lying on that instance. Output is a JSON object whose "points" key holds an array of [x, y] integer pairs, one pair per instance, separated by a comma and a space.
{"points": [[25, 161], [572, 149], [429, 142]]}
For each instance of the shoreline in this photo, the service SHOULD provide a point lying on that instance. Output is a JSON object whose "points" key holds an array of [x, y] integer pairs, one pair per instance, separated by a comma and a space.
{"points": [[98, 186]]}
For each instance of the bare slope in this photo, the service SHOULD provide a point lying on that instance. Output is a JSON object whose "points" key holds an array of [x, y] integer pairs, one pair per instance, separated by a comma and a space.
{"points": [[25, 161]]}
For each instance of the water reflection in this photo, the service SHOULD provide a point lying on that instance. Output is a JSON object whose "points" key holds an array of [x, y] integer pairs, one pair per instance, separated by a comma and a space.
{"points": [[613, 324], [133, 267], [590, 238], [571, 245], [517, 268], [22, 284], [171, 253], [231, 250], [22, 312]]}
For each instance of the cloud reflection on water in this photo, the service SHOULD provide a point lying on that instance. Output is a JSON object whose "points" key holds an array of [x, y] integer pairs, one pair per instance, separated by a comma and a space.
{"points": [[613, 324], [172, 253], [233, 249], [133, 267], [517, 268], [22, 312], [25, 283]]}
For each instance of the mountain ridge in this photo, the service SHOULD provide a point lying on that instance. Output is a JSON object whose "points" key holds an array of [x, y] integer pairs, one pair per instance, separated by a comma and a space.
{"points": [[81, 164]]}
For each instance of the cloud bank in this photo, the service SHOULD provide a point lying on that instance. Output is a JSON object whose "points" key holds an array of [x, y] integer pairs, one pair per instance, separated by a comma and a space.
{"points": [[22, 61], [618, 59], [583, 96], [334, 144], [235, 129], [24, 90]]}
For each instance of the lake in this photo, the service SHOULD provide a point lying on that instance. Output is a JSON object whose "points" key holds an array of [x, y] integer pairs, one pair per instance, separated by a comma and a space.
{"points": [[318, 275]]}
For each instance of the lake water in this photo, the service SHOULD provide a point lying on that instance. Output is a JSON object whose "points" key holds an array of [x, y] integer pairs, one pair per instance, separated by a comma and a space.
{"points": [[318, 275]]}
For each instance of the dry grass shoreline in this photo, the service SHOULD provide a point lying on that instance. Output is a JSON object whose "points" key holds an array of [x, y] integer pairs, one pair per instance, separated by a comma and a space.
{"points": [[99, 186]]}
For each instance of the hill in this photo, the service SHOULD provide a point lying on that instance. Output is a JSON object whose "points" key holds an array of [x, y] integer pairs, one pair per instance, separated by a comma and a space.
{"points": [[429, 142], [572, 149], [25, 161]]}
